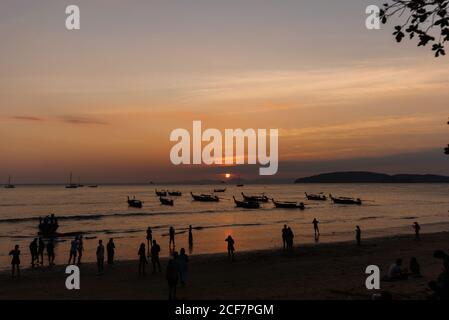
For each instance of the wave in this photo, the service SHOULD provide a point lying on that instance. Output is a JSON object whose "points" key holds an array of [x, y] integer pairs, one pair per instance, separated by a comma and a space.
{"points": [[111, 215]]}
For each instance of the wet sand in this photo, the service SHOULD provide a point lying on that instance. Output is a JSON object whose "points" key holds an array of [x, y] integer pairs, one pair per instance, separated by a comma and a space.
{"points": [[318, 271]]}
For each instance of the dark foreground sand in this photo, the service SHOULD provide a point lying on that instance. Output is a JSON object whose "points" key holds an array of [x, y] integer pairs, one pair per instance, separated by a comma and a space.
{"points": [[321, 271]]}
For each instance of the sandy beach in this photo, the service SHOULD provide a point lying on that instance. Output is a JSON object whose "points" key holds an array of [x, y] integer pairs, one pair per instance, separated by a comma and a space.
{"points": [[319, 271]]}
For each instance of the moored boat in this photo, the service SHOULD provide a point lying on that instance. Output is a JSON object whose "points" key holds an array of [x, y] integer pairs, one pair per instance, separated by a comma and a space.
{"points": [[346, 200], [9, 185], [175, 193], [166, 201], [261, 198], [135, 203], [288, 204], [71, 185], [205, 197], [246, 204], [316, 197], [161, 193], [219, 190]]}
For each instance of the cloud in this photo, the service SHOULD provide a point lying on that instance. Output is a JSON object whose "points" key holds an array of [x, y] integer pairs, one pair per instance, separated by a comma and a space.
{"points": [[82, 120], [28, 118]]}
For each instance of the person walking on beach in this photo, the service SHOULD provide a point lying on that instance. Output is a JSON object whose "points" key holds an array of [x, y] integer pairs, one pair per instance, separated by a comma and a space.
{"points": [[110, 248], [172, 276], [284, 236], [149, 239], [190, 237], [172, 237], [155, 249], [51, 252], [316, 229], [142, 259], [358, 235], [183, 261], [100, 256], [34, 252], [80, 248], [231, 247], [40, 251], [73, 250], [15, 262], [417, 228]]}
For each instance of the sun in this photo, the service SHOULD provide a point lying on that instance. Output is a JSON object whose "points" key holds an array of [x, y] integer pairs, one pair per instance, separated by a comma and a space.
{"points": [[227, 175]]}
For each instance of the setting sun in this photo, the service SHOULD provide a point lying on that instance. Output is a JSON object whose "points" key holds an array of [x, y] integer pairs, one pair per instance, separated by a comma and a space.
{"points": [[227, 175]]}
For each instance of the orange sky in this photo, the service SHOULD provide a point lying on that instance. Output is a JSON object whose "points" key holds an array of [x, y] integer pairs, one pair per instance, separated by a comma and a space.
{"points": [[102, 101]]}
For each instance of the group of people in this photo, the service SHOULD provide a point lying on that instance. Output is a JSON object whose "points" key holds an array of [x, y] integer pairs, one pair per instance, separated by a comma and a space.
{"points": [[287, 237], [37, 248]]}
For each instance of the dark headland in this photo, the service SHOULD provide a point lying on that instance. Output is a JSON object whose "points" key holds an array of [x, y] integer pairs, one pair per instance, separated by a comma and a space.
{"points": [[372, 177]]}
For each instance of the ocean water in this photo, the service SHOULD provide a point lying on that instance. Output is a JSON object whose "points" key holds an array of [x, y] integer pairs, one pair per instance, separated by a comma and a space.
{"points": [[103, 213]]}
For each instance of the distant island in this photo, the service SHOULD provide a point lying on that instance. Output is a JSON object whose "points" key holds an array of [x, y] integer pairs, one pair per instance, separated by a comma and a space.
{"points": [[372, 177]]}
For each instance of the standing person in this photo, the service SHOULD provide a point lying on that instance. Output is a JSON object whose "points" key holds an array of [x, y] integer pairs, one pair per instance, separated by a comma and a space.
{"points": [[172, 276], [155, 249], [417, 228], [284, 236], [290, 236], [172, 237], [142, 259], [100, 256], [231, 247], [190, 237], [15, 262], [34, 252], [80, 248], [316, 229], [73, 250], [149, 239], [110, 248], [40, 251], [183, 261], [51, 252], [358, 235]]}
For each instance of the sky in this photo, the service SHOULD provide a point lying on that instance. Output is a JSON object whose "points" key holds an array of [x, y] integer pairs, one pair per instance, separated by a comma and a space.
{"points": [[101, 101]]}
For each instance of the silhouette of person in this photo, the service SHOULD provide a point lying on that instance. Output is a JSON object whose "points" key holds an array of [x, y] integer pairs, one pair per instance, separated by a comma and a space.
{"points": [[417, 228], [100, 257], [190, 237], [316, 229], [231, 247], [396, 272], [358, 235], [110, 248], [41, 249], [73, 250], [80, 248], [284, 236], [172, 237], [183, 261], [51, 252], [172, 276], [34, 252], [290, 236], [155, 249], [149, 239], [142, 259], [15, 261], [440, 287]]}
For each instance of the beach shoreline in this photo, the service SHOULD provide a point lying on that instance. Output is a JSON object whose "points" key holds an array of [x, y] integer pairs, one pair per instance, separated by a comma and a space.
{"points": [[312, 271]]}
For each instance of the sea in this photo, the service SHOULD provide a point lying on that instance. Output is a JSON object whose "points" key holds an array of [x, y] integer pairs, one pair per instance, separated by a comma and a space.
{"points": [[103, 213]]}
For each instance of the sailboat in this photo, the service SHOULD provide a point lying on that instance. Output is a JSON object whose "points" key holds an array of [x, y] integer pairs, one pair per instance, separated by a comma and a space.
{"points": [[71, 185], [9, 185]]}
